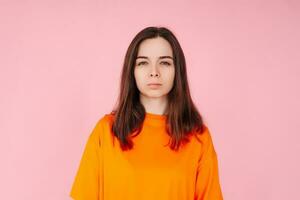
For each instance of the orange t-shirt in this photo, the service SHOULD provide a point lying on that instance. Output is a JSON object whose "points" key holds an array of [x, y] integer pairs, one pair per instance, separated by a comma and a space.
{"points": [[151, 170]]}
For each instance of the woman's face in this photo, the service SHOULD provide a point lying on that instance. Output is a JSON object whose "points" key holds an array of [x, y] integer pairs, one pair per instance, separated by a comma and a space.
{"points": [[154, 64]]}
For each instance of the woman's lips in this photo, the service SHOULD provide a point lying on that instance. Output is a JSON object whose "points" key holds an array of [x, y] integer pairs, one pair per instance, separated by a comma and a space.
{"points": [[154, 85]]}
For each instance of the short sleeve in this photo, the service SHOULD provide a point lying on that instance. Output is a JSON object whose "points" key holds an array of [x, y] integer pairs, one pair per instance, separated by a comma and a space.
{"points": [[86, 183], [207, 177]]}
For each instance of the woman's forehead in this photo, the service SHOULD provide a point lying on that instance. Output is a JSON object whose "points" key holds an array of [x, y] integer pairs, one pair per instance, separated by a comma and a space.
{"points": [[155, 48]]}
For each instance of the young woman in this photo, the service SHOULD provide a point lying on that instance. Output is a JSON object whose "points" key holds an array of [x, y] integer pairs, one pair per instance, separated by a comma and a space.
{"points": [[154, 144]]}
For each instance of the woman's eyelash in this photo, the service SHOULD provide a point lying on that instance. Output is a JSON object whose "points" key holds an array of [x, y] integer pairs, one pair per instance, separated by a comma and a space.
{"points": [[140, 63], [166, 63], [161, 62]]}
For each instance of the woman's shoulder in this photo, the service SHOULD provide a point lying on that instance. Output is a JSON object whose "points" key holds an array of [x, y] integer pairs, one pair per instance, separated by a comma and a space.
{"points": [[203, 135], [205, 141], [105, 119], [102, 127], [201, 131]]}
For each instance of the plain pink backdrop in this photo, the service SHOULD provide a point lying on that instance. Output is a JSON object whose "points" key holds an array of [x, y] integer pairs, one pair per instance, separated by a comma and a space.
{"points": [[60, 64]]}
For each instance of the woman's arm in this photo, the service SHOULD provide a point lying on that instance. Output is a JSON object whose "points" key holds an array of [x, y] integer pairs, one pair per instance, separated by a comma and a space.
{"points": [[86, 183], [207, 179]]}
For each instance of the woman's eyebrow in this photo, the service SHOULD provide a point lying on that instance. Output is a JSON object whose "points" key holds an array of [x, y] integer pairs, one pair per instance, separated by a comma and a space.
{"points": [[160, 57]]}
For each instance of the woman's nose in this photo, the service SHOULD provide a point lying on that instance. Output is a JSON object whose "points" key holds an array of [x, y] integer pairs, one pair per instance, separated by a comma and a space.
{"points": [[152, 74], [154, 71]]}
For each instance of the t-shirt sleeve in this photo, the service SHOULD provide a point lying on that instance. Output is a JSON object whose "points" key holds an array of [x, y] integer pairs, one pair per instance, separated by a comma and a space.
{"points": [[207, 178], [86, 183]]}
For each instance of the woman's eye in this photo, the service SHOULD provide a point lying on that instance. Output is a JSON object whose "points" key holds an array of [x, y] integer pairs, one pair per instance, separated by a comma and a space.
{"points": [[144, 62], [141, 63], [166, 63]]}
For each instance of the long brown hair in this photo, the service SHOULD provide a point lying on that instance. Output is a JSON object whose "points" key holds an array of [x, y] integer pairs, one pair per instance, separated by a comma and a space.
{"points": [[183, 117]]}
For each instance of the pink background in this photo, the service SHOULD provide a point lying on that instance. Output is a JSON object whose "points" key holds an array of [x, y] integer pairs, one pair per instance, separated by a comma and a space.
{"points": [[60, 64]]}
